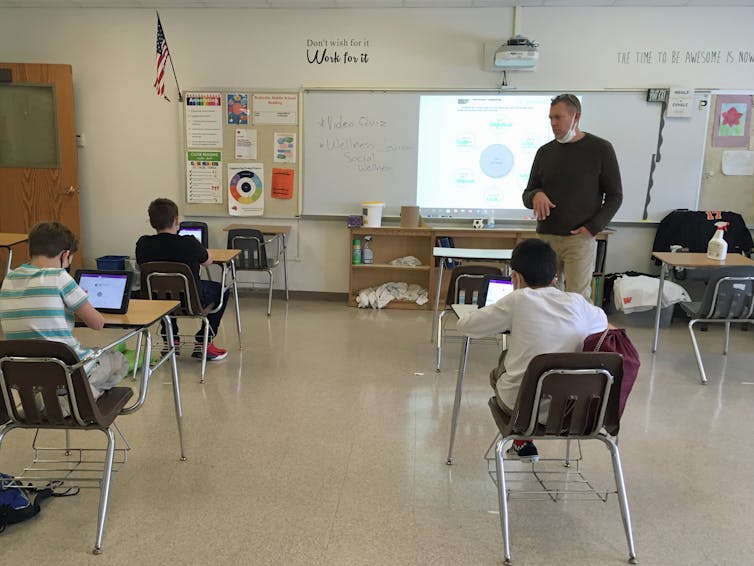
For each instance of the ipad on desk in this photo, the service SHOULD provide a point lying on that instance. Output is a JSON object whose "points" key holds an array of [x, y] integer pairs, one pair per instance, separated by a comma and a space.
{"points": [[495, 288], [109, 291], [195, 232]]}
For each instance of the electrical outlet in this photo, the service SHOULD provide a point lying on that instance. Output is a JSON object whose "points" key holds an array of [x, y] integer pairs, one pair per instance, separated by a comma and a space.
{"points": [[80, 140]]}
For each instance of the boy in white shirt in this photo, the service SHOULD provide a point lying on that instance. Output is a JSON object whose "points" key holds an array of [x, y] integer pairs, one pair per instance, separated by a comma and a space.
{"points": [[540, 318]]}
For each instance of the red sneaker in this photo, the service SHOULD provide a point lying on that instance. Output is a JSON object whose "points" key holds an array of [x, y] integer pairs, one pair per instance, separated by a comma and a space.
{"points": [[214, 354]]}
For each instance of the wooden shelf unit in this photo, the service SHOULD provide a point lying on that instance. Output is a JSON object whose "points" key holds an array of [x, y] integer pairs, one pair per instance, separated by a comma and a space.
{"points": [[389, 243]]}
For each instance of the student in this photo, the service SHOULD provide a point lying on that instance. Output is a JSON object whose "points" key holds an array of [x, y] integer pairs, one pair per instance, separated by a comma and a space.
{"points": [[38, 300], [167, 245], [540, 318]]}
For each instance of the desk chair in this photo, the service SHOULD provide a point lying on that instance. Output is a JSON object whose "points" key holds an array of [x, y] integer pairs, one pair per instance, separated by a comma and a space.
{"points": [[171, 280], [584, 392], [254, 256], [466, 282], [33, 375], [729, 297]]}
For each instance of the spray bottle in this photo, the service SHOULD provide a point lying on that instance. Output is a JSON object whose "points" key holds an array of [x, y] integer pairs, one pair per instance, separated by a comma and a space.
{"points": [[717, 248]]}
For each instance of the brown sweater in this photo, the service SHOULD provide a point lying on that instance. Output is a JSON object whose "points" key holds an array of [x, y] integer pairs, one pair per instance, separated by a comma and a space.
{"points": [[581, 179]]}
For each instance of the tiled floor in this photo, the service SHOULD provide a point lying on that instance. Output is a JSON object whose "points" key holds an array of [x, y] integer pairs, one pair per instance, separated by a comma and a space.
{"points": [[323, 442]]}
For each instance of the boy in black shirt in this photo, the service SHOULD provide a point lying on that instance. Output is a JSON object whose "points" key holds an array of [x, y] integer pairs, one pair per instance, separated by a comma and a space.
{"points": [[167, 245]]}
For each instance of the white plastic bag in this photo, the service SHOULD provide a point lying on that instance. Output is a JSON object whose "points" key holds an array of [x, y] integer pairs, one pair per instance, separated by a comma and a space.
{"points": [[637, 294]]}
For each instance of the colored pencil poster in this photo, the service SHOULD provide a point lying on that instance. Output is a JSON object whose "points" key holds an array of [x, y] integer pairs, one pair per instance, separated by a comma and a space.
{"points": [[204, 120]]}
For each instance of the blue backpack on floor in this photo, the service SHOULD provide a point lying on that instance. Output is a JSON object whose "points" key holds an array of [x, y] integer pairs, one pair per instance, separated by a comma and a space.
{"points": [[19, 503]]}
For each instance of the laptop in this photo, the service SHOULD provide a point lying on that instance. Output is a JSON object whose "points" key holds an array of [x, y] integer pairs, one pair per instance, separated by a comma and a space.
{"points": [[195, 232], [109, 291], [495, 288]]}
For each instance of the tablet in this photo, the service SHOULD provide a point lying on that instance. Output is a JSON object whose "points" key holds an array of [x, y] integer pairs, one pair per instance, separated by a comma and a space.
{"points": [[109, 291], [195, 232]]}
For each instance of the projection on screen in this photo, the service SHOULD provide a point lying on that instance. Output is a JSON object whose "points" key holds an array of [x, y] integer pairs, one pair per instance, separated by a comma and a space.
{"points": [[475, 153]]}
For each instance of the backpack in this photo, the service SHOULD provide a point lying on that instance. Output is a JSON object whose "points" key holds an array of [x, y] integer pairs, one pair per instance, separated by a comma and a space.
{"points": [[19, 503], [616, 340]]}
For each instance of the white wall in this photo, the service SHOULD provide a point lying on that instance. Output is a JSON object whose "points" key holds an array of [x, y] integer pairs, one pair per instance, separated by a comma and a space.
{"points": [[133, 137]]}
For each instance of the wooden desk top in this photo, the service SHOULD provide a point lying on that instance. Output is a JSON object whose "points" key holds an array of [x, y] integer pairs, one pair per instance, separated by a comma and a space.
{"points": [[222, 256], [140, 313], [8, 239], [688, 259], [263, 228]]}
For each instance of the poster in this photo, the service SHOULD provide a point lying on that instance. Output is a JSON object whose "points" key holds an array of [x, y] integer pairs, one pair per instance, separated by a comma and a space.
{"points": [[679, 102], [282, 183], [275, 109], [238, 109], [732, 121], [245, 189], [203, 177], [285, 148], [246, 143], [204, 120]]}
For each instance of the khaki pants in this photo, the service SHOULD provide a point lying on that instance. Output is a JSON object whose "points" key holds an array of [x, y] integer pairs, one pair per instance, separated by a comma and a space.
{"points": [[576, 256]]}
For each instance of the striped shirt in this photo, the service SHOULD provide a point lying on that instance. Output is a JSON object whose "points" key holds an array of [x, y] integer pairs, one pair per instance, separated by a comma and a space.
{"points": [[38, 303]]}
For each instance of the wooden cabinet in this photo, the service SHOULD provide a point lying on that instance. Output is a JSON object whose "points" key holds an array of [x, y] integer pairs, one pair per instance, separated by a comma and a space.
{"points": [[389, 243]]}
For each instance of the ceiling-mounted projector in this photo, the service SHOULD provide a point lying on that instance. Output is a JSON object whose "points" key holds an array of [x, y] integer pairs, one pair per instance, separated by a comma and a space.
{"points": [[517, 54]]}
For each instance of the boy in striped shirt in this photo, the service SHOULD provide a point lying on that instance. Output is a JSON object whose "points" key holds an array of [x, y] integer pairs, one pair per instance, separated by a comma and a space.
{"points": [[38, 300]]}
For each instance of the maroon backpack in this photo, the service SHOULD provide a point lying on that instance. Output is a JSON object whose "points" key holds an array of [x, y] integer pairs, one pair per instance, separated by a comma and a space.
{"points": [[616, 340]]}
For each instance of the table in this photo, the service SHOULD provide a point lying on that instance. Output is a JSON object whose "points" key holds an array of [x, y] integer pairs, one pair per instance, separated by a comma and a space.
{"points": [[479, 254], [227, 258], [7, 241], [692, 260], [141, 315], [275, 230]]}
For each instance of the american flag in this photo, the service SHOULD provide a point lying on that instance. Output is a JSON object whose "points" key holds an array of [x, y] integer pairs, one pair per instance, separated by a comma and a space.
{"points": [[162, 58]]}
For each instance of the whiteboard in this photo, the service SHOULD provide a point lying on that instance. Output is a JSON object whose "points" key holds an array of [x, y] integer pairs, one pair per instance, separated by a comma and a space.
{"points": [[362, 146]]}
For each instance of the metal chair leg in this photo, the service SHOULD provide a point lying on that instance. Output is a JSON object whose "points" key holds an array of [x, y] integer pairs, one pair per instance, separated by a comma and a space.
{"points": [[622, 496], [568, 454], [439, 339], [107, 474], [727, 337], [697, 353], [205, 343], [269, 293], [502, 497]]}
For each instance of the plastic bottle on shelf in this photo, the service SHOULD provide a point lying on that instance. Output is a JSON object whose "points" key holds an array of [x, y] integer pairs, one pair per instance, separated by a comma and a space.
{"points": [[491, 219], [367, 255], [356, 253]]}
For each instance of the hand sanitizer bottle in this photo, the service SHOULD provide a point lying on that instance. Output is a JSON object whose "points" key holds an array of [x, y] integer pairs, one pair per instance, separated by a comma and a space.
{"points": [[491, 219], [717, 248]]}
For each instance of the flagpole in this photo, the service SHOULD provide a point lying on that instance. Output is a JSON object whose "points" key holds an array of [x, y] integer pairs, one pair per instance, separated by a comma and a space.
{"points": [[170, 58]]}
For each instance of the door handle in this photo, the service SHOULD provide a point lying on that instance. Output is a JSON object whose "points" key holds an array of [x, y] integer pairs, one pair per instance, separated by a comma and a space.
{"points": [[70, 190]]}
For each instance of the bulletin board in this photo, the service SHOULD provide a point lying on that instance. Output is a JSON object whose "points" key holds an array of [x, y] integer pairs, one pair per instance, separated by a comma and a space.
{"points": [[265, 156]]}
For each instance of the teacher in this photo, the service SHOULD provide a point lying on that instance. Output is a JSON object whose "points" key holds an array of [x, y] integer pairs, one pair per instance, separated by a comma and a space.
{"points": [[574, 189]]}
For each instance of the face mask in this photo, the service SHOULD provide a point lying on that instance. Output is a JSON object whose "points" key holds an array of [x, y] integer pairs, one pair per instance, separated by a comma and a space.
{"points": [[570, 134]]}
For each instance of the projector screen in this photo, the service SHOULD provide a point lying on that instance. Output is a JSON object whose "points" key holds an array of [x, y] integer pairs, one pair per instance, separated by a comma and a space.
{"points": [[475, 152]]}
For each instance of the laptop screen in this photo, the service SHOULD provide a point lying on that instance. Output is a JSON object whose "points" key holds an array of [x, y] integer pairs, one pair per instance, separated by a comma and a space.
{"points": [[195, 232], [497, 289], [105, 290]]}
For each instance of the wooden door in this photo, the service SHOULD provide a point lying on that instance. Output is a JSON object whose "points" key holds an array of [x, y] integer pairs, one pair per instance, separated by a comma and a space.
{"points": [[38, 180]]}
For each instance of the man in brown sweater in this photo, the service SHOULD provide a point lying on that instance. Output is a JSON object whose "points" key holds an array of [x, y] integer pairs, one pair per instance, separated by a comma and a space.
{"points": [[574, 189]]}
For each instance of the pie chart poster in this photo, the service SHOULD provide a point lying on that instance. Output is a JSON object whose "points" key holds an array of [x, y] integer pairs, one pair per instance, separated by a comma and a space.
{"points": [[245, 189]]}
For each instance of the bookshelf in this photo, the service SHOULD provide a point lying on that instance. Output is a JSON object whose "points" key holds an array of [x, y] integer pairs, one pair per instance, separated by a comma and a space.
{"points": [[389, 243]]}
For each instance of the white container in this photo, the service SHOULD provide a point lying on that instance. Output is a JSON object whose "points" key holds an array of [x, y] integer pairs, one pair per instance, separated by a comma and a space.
{"points": [[372, 212], [717, 248]]}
